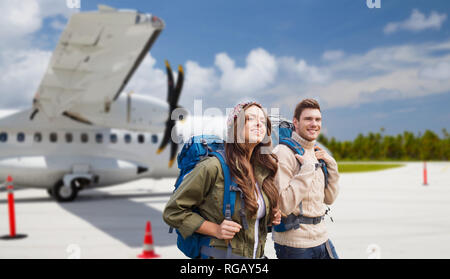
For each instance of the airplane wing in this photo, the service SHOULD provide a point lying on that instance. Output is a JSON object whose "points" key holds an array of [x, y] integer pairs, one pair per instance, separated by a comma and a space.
{"points": [[94, 59]]}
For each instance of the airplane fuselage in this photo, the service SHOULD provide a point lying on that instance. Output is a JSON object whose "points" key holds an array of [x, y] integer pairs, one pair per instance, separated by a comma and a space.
{"points": [[39, 154]]}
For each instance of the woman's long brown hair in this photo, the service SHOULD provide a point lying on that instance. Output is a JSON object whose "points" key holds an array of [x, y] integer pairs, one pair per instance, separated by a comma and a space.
{"points": [[236, 157]]}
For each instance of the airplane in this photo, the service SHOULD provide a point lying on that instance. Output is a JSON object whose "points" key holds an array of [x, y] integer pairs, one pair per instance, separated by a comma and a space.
{"points": [[82, 131]]}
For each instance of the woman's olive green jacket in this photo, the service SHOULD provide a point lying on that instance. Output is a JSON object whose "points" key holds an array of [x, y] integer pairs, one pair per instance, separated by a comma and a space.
{"points": [[203, 189]]}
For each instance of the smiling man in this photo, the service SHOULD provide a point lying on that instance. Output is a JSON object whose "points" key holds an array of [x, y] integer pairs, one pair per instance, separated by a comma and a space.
{"points": [[305, 190]]}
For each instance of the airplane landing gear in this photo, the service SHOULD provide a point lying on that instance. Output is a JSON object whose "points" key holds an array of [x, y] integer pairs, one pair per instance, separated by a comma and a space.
{"points": [[66, 189], [65, 193]]}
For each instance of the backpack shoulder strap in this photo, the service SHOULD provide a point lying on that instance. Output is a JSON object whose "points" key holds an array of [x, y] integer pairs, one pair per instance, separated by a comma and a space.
{"points": [[323, 165], [229, 197], [298, 149], [325, 171], [293, 145]]}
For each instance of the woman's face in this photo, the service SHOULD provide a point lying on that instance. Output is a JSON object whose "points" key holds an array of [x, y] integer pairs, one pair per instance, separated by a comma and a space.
{"points": [[255, 125]]}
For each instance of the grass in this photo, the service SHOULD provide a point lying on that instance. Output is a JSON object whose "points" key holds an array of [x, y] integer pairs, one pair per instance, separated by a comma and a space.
{"points": [[365, 167]]}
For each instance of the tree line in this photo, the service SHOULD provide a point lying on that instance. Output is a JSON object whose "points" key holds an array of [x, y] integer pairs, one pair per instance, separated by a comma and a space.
{"points": [[405, 146]]}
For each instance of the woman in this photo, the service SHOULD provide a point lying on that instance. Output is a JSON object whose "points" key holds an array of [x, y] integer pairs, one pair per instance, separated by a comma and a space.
{"points": [[197, 204]]}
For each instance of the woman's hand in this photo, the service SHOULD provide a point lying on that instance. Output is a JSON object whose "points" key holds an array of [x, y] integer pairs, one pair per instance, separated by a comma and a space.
{"points": [[227, 229]]}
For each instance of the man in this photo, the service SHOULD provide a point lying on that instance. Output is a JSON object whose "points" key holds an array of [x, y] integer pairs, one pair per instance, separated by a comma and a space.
{"points": [[301, 183]]}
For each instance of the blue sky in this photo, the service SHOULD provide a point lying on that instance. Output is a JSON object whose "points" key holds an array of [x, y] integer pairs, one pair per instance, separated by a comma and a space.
{"points": [[369, 68]]}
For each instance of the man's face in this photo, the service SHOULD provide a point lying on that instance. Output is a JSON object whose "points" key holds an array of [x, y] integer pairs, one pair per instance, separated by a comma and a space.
{"points": [[309, 124]]}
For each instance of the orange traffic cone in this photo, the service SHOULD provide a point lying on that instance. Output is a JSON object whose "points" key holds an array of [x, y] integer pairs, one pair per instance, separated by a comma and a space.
{"points": [[12, 214], [148, 252], [425, 176]]}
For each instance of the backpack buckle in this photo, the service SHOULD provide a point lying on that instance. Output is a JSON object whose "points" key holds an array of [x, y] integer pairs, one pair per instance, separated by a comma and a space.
{"points": [[228, 212], [319, 165], [327, 213]]}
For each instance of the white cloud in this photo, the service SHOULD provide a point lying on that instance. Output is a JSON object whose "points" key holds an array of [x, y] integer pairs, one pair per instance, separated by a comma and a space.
{"points": [[385, 73], [332, 55], [303, 71], [148, 80], [20, 74], [259, 72], [439, 71], [199, 81], [417, 22], [22, 65], [395, 85], [300, 70], [50, 8], [19, 18]]}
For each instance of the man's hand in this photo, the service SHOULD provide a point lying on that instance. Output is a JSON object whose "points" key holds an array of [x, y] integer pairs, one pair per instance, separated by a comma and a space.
{"points": [[276, 216], [322, 154]]}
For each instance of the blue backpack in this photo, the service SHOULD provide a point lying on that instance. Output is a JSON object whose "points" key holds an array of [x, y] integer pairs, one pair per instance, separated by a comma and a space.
{"points": [[197, 148], [292, 221]]}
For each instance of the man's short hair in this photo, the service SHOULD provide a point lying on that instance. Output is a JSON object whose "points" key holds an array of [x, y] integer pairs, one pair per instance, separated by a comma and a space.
{"points": [[306, 103]]}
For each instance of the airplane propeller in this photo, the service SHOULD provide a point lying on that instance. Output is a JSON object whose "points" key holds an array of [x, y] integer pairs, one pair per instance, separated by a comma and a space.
{"points": [[173, 95]]}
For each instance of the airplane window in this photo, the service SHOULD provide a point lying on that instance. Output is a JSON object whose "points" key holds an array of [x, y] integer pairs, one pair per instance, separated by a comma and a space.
{"points": [[99, 138], [69, 137], [154, 138], [3, 137], [53, 137], [141, 138], [113, 138], [20, 137], [84, 138], [127, 138], [37, 137]]}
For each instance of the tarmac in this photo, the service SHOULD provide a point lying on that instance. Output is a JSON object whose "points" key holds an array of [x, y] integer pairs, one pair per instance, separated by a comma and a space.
{"points": [[383, 214]]}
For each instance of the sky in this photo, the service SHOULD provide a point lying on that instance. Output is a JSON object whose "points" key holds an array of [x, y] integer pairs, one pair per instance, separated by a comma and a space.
{"points": [[370, 68]]}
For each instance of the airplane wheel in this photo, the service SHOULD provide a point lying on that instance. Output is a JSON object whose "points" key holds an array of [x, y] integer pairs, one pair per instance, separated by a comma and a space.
{"points": [[50, 192], [64, 194]]}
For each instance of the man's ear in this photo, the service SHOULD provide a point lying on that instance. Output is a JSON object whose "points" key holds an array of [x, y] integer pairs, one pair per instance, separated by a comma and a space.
{"points": [[295, 122]]}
